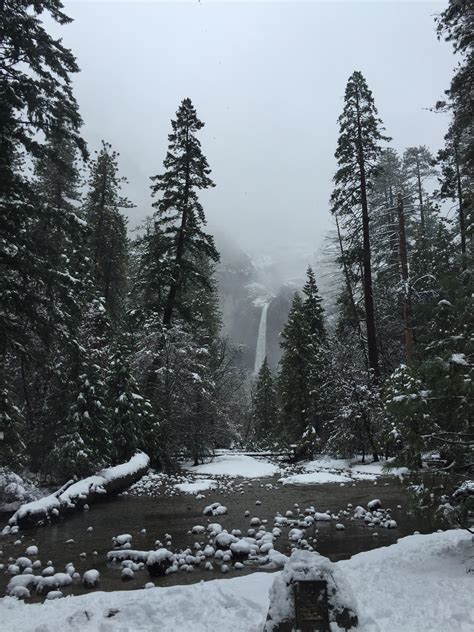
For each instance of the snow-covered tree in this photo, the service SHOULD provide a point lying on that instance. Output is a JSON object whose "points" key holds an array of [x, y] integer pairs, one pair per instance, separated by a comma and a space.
{"points": [[179, 215], [131, 423], [358, 154], [108, 231], [83, 442], [265, 410]]}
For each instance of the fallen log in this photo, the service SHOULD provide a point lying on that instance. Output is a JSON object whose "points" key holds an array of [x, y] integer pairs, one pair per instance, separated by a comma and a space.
{"points": [[71, 496]]}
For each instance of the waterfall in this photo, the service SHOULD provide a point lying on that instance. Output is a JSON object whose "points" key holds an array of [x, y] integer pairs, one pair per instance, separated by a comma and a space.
{"points": [[261, 349]]}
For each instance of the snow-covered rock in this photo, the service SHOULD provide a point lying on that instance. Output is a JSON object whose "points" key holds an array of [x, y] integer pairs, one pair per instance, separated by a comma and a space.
{"points": [[91, 578]]}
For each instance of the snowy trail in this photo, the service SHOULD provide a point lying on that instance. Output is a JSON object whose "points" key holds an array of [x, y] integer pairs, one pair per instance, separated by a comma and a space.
{"points": [[261, 349]]}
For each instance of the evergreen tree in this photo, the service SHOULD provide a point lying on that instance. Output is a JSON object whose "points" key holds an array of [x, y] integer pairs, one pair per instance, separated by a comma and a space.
{"points": [[12, 425], [418, 165], [358, 154], [179, 215], [316, 353], [83, 442], [132, 425], [108, 231], [35, 101], [265, 410], [293, 374], [457, 158]]}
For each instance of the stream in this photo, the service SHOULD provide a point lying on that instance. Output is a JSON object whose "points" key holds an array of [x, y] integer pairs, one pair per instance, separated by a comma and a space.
{"points": [[177, 514]]}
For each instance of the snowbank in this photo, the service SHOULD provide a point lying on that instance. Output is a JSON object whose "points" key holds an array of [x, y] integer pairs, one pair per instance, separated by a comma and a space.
{"points": [[239, 604], [236, 465], [419, 584], [110, 480], [315, 478], [200, 485], [328, 470]]}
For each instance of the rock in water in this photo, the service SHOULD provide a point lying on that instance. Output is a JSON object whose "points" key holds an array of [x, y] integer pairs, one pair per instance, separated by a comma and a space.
{"points": [[91, 578]]}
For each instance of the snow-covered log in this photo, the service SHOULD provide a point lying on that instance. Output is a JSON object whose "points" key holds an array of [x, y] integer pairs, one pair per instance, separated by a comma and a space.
{"points": [[108, 482]]}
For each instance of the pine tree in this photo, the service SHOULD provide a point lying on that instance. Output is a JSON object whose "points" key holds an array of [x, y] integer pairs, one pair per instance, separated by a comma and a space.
{"points": [[108, 231], [83, 442], [316, 353], [358, 154], [265, 411], [179, 215], [132, 425], [293, 374], [418, 165], [60, 233], [13, 427], [36, 102], [457, 158]]}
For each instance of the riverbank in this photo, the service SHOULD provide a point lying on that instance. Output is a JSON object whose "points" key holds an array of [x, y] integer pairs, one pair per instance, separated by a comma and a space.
{"points": [[420, 584], [162, 510]]}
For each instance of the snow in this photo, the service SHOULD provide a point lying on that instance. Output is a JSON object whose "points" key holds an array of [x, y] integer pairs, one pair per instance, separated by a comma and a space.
{"points": [[15, 490], [240, 603], [161, 555], [315, 478], [304, 565], [91, 577], [329, 470], [237, 465], [200, 485], [421, 583], [459, 358], [77, 491]]}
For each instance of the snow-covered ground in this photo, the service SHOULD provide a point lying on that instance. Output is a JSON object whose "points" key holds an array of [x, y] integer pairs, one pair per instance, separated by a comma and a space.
{"points": [[328, 470], [197, 486], [420, 584], [237, 465]]}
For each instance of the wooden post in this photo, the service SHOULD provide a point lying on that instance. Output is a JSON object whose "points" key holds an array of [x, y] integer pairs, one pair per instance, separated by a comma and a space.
{"points": [[407, 306]]}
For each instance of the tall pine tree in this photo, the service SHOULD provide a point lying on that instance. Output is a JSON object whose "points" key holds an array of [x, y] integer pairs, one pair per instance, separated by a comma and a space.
{"points": [[179, 215], [358, 154], [108, 231]]}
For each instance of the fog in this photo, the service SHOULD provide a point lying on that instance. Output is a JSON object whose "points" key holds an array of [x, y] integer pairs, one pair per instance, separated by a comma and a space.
{"points": [[268, 80]]}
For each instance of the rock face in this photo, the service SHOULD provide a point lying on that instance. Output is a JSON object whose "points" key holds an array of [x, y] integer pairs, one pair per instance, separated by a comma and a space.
{"points": [[244, 289]]}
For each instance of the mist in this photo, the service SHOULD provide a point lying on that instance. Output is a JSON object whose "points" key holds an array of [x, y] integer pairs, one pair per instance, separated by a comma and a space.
{"points": [[268, 80]]}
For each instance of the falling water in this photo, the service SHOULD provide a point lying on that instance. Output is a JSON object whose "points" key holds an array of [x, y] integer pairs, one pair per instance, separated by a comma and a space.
{"points": [[261, 349]]}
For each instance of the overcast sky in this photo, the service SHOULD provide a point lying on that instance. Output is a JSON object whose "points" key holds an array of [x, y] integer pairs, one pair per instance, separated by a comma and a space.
{"points": [[268, 79]]}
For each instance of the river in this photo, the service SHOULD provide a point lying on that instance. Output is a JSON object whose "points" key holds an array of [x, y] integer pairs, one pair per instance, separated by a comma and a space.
{"points": [[176, 515]]}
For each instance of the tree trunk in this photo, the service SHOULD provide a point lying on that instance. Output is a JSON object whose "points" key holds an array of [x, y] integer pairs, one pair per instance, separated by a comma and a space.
{"points": [[407, 306], [349, 289], [368, 289]]}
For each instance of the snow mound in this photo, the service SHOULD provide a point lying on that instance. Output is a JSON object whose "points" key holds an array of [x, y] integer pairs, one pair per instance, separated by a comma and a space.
{"points": [[315, 478], [237, 465], [195, 487], [304, 565]]}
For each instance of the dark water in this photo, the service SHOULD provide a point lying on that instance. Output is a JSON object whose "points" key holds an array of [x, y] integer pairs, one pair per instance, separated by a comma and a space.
{"points": [[178, 514]]}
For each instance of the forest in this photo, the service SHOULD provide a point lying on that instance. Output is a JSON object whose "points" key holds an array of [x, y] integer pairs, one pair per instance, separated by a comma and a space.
{"points": [[111, 341]]}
